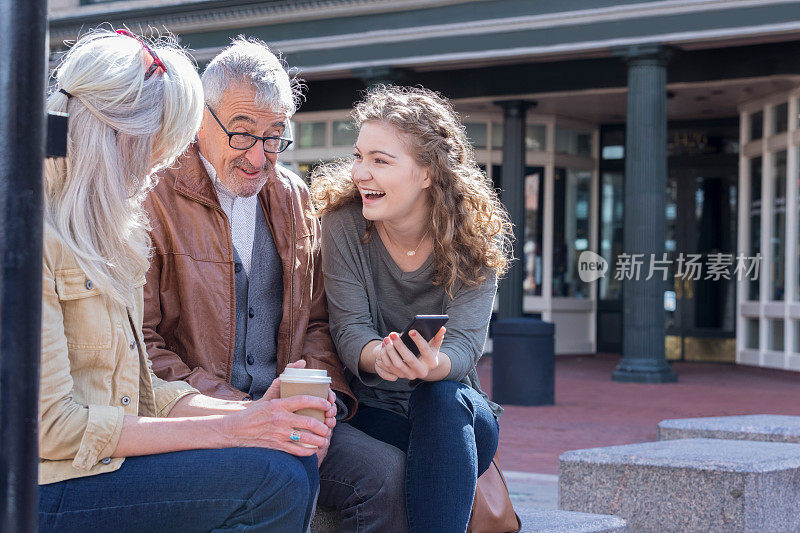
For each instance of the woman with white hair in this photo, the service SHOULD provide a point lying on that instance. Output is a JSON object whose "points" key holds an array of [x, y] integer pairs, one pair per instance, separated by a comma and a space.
{"points": [[119, 448]]}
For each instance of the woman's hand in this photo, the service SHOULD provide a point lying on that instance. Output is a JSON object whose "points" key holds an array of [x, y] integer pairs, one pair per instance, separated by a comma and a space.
{"points": [[394, 360], [268, 423], [330, 421]]}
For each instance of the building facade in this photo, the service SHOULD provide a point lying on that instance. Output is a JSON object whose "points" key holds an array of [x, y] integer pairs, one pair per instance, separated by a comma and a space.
{"points": [[556, 78]]}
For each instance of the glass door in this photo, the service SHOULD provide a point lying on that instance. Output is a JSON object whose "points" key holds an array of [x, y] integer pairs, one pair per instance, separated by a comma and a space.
{"points": [[700, 292]]}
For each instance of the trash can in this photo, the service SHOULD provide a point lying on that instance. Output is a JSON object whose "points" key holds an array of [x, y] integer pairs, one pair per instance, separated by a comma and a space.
{"points": [[523, 362]]}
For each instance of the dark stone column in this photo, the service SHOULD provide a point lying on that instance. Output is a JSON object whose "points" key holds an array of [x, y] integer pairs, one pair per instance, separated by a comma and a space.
{"points": [[513, 197], [643, 357]]}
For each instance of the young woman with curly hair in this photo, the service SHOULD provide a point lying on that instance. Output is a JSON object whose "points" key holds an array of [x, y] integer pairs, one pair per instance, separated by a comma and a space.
{"points": [[412, 226]]}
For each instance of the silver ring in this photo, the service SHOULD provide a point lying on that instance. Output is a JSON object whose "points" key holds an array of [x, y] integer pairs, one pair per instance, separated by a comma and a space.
{"points": [[294, 436]]}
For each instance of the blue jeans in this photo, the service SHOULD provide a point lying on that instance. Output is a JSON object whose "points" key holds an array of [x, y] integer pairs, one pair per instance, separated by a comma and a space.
{"points": [[233, 489], [449, 438]]}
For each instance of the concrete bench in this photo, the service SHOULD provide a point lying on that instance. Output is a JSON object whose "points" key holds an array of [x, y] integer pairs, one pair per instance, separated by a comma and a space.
{"points": [[772, 428], [533, 521], [687, 485]]}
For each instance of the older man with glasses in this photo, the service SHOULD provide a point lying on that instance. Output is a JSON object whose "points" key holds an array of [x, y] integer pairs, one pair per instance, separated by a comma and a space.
{"points": [[234, 293]]}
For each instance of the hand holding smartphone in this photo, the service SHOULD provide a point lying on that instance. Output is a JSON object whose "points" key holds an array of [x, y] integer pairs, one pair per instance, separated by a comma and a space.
{"points": [[426, 325]]}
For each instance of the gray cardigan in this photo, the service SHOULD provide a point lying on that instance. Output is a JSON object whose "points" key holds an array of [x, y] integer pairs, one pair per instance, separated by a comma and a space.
{"points": [[369, 297]]}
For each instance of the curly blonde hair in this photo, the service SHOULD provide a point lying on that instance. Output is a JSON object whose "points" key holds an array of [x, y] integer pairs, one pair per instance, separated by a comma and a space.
{"points": [[471, 228]]}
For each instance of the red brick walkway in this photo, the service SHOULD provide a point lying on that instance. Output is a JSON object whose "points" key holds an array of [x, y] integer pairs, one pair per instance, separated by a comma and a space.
{"points": [[593, 411]]}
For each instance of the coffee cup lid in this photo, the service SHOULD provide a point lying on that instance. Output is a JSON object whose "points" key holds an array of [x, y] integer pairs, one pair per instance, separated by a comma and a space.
{"points": [[305, 375]]}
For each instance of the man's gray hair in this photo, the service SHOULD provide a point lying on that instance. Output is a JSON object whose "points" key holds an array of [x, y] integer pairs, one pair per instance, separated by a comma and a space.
{"points": [[249, 60]]}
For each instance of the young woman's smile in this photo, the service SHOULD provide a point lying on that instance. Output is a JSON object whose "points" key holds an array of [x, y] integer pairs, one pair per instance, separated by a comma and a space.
{"points": [[392, 184]]}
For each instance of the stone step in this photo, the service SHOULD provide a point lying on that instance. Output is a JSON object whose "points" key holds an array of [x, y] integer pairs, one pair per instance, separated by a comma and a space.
{"points": [[533, 521], [687, 485], [772, 428]]}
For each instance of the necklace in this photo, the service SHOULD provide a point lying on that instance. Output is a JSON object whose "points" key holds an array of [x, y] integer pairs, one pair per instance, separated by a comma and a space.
{"points": [[410, 253]]}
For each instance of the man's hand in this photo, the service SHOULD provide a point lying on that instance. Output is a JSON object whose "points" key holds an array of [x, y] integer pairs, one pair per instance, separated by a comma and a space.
{"points": [[274, 390]]}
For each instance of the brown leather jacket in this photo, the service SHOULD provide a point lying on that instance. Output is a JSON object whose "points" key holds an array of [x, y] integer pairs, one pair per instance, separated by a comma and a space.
{"points": [[190, 300]]}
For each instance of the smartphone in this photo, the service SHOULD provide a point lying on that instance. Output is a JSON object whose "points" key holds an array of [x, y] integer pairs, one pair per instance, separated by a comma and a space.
{"points": [[426, 325]]}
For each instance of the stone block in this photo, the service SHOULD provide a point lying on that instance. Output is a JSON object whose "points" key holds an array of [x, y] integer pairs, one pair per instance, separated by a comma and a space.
{"points": [[553, 521], [709, 485], [772, 428]]}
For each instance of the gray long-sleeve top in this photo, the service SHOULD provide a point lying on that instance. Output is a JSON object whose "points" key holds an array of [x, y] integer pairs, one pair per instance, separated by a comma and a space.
{"points": [[369, 297]]}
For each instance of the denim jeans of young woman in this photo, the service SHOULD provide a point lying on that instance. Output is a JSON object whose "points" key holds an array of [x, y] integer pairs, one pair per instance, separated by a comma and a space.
{"points": [[234, 489], [449, 438]]}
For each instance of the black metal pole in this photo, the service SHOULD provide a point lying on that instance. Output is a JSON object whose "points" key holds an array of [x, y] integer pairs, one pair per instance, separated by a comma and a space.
{"points": [[23, 35]]}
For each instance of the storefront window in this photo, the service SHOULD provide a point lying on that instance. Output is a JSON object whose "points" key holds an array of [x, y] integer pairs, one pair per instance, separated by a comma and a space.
{"points": [[532, 246], [571, 224], [310, 134], [797, 117], [778, 240], [751, 338], [613, 145], [796, 335], [344, 133], [611, 230], [477, 133], [776, 335], [756, 125], [755, 220], [536, 137], [573, 142], [780, 118], [497, 135]]}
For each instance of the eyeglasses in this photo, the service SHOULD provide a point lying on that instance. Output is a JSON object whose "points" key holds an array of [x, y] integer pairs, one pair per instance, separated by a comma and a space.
{"points": [[245, 141], [157, 63]]}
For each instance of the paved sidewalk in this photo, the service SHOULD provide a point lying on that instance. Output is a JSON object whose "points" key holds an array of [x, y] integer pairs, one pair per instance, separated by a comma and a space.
{"points": [[593, 411]]}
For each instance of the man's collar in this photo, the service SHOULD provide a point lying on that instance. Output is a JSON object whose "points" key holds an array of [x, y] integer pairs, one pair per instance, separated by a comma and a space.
{"points": [[192, 179], [222, 189]]}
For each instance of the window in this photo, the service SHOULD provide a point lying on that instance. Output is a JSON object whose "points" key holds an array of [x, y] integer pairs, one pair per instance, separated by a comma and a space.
{"points": [[613, 145], [571, 224], [311, 134], [755, 220], [536, 137], [532, 245], [776, 335], [344, 133], [778, 239], [477, 133], [796, 324], [756, 125], [497, 135], [780, 118], [573, 142], [611, 230], [751, 339]]}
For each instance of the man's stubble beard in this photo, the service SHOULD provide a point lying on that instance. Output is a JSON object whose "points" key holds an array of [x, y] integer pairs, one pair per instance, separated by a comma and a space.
{"points": [[243, 187]]}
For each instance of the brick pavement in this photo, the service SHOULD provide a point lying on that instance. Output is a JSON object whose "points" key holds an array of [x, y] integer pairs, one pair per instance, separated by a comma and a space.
{"points": [[592, 411]]}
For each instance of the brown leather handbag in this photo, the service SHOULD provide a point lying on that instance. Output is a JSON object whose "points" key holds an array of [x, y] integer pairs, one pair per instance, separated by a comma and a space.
{"points": [[492, 511]]}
